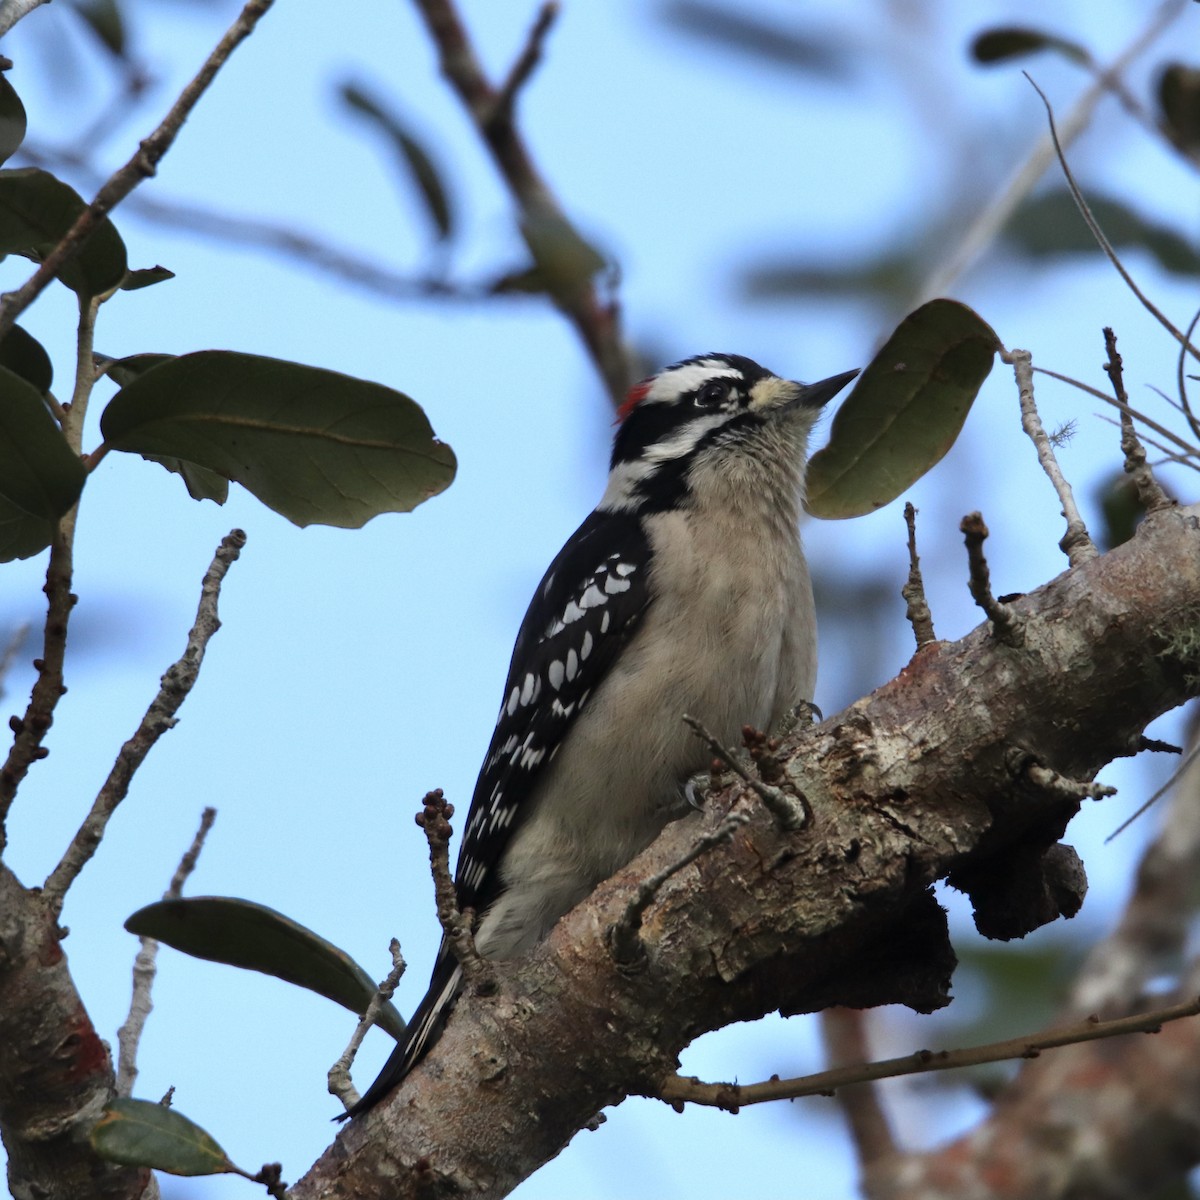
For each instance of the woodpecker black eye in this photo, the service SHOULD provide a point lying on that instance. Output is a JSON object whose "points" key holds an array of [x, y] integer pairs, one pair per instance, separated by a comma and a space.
{"points": [[712, 393]]}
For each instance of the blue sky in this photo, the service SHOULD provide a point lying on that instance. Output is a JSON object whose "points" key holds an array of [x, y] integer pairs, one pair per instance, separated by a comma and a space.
{"points": [[356, 670]]}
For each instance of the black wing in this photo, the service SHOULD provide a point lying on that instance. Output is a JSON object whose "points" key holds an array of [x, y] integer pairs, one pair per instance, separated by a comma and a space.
{"points": [[587, 606]]}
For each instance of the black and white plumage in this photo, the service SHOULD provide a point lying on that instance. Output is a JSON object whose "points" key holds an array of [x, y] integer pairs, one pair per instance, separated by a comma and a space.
{"points": [[684, 591]]}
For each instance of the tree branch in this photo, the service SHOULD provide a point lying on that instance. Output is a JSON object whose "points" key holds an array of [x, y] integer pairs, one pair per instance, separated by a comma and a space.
{"points": [[906, 786], [141, 166]]}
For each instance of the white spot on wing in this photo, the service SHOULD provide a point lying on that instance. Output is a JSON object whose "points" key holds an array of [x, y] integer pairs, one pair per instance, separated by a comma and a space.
{"points": [[592, 598], [586, 648], [527, 689], [604, 621], [556, 674], [612, 585], [513, 699], [572, 664]]}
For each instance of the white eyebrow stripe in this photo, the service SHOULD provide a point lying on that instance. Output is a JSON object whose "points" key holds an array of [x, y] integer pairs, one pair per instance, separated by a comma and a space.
{"points": [[670, 384], [686, 439]]}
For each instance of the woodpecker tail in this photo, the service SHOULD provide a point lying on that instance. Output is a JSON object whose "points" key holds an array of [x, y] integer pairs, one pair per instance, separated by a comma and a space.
{"points": [[423, 1031]]}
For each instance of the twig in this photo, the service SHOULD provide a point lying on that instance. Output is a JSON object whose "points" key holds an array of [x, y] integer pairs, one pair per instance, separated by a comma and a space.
{"points": [[989, 224], [339, 1081], [434, 819], [1185, 405], [1050, 780], [144, 969], [844, 1031], [142, 165], [11, 11], [1187, 450], [790, 812], [526, 64], [178, 681], [677, 1090], [919, 616], [623, 937], [1176, 775], [1005, 621], [1149, 494], [597, 322], [1102, 240], [1076, 544], [49, 687]]}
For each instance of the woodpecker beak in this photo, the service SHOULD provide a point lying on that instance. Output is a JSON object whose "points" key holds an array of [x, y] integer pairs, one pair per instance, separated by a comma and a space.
{"points": [[817, 395]]}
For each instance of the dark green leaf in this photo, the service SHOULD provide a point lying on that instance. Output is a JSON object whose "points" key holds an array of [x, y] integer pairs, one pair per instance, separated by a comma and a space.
{"points": [[201, 483], [36, 210], [24, 355], [104, 19], [1013, 41], [1179, 100], [244, 934], [314, 445], [39, 476], [12, 119], [137, 1133], [145, 277], [416, 160], [1050, 224], [905, 411]]}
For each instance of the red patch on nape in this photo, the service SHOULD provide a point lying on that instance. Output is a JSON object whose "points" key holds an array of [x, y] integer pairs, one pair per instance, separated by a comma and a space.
{"points": [[635, 396]]}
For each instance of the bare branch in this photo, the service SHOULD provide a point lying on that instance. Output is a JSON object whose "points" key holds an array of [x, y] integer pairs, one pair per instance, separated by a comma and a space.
{"points": [[129, 1035], [919, 616], [1102, 240], [1076, 544], [597, 322], [339, 1082], [1005, 622], [677, 1090], [141, 166], [1149, 494], [526, 62], [178, 681], [434, 819]]}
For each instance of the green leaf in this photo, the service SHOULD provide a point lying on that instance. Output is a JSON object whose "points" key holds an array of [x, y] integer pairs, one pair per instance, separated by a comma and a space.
{"points": [[1179, 103], [36, 210], [314, 445], [145, 277], [12, 119], [24, 355], [104, 19], [415, 159], [1050, 224], [905, 411], [40, 478], [201, 483], [1014, 41], [138, 1133], [256, 938]]}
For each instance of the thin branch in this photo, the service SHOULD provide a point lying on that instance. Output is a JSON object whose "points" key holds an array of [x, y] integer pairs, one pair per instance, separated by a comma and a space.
{"points": [[988, 225], [1005, 622], [597, 322], [142, 165], [1076, 544], [1050, 780], [917, 610], [1176, 775], [1185, 405], [623, 935], [178, 681], [790, 812], [1187, 449], [339, 1082], [1149, 494], [1101, 239], [677, 1090], [526, 63], [434, 819], [129, 1035]]}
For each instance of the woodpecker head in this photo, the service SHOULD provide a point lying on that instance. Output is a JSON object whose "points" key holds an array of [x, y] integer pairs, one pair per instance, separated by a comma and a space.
{"points": [[714, 412]]}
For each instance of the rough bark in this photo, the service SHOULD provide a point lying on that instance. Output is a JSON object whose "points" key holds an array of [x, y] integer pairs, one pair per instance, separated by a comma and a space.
{"points": [[56, 1074], [928, 777]]}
